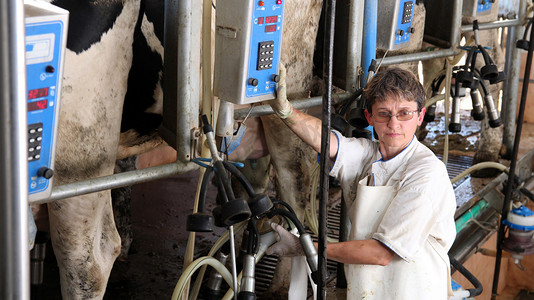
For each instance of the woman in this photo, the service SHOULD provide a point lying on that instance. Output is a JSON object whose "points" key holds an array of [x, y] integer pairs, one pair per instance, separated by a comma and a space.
{"points": [[400, 197]]}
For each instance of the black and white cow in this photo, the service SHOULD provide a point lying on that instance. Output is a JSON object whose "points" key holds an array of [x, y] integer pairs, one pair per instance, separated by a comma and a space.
{"points": [[112, 84]]}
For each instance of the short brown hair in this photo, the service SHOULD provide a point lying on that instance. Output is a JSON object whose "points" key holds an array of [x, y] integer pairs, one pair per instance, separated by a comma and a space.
{"points": [[396, 83]]}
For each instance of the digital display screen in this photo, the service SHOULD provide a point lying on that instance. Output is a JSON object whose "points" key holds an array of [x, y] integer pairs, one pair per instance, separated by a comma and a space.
{"points": [[271, 19], [260, 20], [41, 104], [270, 28], [37, 93]]}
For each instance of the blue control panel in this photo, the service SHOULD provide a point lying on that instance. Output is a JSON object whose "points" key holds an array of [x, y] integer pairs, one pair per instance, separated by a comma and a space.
{"points": [[45, 47], [483, 6], [394, 24], [404, 22], [473, 8], [265, 42]]}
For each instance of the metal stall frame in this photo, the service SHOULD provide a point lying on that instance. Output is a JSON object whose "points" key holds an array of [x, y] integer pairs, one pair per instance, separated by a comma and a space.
{"points": [[181, 24], [14, 252], [14, 177], [14, 248]]}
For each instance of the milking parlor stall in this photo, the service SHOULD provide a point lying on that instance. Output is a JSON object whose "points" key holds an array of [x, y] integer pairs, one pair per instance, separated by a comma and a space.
{"points": [[141, 158]]}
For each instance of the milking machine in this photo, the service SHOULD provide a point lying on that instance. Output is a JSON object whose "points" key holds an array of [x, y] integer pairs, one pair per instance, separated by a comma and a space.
{"points": [[468, 76], [231, 212]]}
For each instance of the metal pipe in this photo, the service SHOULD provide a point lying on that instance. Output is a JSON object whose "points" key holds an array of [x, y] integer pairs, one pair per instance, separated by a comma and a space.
{"points": [[354, 51], [492, 25], [265, 109], [418, 56], [513, 163], [328, 61], [182, 62], [116, 181], [14, 248], [509, 101], [370, 11]]}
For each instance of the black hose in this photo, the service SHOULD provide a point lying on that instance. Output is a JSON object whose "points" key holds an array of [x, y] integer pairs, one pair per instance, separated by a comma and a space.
{"points": [[482, 83], [290, 216], [252, 237], [240, 177], [225, 182], [487, 57], [474, 281], [220, 191], [203, 189], [275, 202], [513, 163]]}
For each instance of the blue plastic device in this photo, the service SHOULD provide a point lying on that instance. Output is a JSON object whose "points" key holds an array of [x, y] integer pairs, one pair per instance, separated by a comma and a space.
{"points": [[45, 47], [265, 41], [483, 6], [404, 22], [247, 50]]}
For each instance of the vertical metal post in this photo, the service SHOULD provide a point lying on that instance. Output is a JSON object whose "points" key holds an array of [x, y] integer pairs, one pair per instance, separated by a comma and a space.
{"points": [[328, 58], [509, 101], [369, 36], [182, 71], [14, 248], [354, 42]]}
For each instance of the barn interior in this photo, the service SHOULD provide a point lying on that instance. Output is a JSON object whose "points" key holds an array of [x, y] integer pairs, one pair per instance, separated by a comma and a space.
{"points": [[181, 237]]}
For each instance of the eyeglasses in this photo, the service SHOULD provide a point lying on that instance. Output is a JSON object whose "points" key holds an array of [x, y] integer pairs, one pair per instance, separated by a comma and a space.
{"points": [[385, 116]]}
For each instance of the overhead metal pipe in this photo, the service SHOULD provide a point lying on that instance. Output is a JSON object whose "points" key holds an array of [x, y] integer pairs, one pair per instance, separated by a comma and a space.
{"points": [[492, 25], [14, 245], [263, 110]]}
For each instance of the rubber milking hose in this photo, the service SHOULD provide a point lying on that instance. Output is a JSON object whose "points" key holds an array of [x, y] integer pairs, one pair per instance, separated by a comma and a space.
{"points": [[203, 189], [292, 217], [472, 279], [244, 182]]}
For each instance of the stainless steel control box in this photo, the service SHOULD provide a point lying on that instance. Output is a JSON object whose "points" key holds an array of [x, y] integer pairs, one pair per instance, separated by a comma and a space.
{"points": [[248, 37], [394, 23]]}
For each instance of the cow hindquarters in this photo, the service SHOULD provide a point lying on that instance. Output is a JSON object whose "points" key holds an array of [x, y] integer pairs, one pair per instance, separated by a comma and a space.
{"points": [[86, 243], [293, 162]]}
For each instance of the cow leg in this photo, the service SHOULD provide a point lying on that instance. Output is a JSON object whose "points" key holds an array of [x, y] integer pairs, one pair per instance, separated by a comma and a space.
{"points": [[121, 200], [85, 243], [293, 162]]}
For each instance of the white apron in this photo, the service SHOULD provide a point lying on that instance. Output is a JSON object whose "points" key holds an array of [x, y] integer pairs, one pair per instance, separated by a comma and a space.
{"points": [[423, 278]]}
